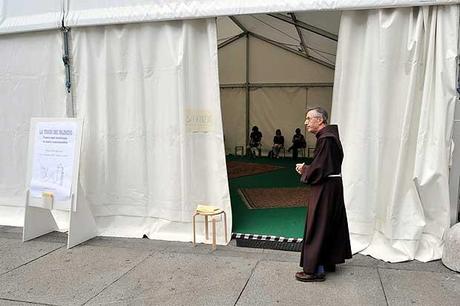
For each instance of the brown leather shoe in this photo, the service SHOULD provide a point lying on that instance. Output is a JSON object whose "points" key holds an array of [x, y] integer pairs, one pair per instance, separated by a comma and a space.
{"points": [[304, 277]]}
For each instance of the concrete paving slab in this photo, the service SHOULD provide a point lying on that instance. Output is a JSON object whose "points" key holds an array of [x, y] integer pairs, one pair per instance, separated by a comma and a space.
{"points": [[16, 233], [403, 287], [131, 243], [69, 277], [180, 279], [277, 255], [363, 261], [274, 283], [188, 248], [10, 229], [16, 303], [256, 253], [15, 253], [414, 265]]}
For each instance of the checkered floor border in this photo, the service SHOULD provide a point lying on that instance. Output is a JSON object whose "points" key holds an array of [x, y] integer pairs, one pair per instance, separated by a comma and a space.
{"points": [[265, 238]]}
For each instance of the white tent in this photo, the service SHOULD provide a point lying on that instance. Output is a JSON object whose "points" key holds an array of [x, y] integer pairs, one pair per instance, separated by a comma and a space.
{"points": [[148, 92]]}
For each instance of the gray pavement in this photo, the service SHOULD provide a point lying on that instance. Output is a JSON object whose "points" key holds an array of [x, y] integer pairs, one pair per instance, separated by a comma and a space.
{"points": [[123, 271]]}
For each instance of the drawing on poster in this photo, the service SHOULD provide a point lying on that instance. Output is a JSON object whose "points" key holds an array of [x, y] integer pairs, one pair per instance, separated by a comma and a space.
{"points": [[53, 159]]}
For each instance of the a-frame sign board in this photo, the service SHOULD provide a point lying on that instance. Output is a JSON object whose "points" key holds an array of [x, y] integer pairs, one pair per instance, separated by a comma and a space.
{"points": [[52, 180]]}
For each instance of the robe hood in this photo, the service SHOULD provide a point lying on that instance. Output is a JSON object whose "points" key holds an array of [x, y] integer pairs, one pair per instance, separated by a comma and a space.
{"points": [[329, 131]]}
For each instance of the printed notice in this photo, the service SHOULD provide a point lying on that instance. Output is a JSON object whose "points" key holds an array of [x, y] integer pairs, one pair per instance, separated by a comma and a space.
{"points": [[198, 121], [53, 159]]}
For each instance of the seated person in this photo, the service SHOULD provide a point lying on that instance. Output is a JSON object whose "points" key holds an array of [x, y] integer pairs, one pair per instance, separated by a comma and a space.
{"points": [[298, 142], [278, 143], [255, 139]]}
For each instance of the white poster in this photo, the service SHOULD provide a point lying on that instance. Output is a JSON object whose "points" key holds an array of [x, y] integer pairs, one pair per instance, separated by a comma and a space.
{"points": [[53, 159]]}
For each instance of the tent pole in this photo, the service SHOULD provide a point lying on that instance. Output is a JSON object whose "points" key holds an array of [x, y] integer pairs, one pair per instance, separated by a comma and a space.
{"points": [[247, 85], [305, 26], [68, 82], [299, 32], [276, 85], [230, 40]]}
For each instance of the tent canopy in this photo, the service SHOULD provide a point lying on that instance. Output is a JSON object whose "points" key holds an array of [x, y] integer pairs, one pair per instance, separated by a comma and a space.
{"points": [[24, 16]]}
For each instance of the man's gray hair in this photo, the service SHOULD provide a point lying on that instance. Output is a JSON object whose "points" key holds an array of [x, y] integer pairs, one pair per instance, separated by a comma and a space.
{"points": [[321, 113]]}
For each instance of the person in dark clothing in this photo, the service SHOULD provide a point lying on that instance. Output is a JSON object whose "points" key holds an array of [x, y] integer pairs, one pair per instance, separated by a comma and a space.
{"points": [[255, 139], [326, 240], [298, 142], [278, 144]]}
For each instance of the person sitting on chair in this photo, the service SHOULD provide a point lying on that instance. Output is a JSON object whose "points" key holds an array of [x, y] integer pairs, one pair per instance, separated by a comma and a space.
{"points": [[298, 142], [255, 139], [278, 143]]}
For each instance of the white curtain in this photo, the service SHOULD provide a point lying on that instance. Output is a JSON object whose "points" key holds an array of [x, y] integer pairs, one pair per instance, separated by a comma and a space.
{"points": [[393, 99], [32, 84], [152, 142]]}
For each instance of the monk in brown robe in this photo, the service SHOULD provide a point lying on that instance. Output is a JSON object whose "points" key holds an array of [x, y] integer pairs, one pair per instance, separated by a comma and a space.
{"points": [[326, 240]]}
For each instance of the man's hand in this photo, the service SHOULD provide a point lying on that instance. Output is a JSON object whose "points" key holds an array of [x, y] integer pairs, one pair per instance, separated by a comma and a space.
{"points": [[299, 168]]}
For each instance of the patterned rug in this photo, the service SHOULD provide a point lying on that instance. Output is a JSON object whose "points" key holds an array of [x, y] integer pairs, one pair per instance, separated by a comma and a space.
{"points": [[256, 198], [239, 169]]}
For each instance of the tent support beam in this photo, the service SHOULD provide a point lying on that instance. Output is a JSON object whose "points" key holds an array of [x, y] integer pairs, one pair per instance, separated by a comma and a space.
{"points": [[277, 44], [276, 85], [230, 40], [302, 40], [235, 21], [305, 26], [248, 96]]}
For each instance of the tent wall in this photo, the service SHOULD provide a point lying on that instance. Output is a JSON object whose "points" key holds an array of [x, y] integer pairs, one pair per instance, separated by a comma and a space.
{"points": [[29, 88], [232, 63], [273, 108], [394, 102], [152, 138], [234, 117], [270, 107]]}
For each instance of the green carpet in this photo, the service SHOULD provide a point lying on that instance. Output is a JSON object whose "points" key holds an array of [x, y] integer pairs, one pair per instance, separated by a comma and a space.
{"points": [[284, 222]]}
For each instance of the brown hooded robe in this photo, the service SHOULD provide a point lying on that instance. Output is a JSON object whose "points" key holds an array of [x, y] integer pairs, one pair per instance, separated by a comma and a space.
{"points": [[326, 239]]}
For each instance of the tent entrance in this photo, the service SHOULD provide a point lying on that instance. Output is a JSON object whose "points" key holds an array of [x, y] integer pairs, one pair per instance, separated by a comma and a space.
{"points": [[272, 67]]}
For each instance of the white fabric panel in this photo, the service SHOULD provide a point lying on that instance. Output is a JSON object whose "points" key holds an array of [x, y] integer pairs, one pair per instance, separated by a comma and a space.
{"points": [[393, 99], [90, 12], [232, 62], [26, 15], [272, 64], [234, 117], [152, 142], [32, 84], [277, 108], [318, 96]]}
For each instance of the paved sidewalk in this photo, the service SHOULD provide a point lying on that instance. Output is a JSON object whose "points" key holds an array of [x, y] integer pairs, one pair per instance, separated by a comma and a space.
{"points": [[124, 271]]}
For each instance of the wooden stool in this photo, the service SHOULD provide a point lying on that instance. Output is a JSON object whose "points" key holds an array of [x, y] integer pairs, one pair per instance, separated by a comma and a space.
{"points": [[238, 149], [213, 220]]}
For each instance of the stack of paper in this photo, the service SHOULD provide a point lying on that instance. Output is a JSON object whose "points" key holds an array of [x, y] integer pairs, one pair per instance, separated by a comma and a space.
{"points": [[207, 209]]}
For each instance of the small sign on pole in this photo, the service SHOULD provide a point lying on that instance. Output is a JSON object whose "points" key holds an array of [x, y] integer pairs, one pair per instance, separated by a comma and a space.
{"points": [[52, 178]]}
